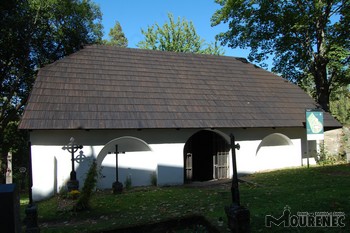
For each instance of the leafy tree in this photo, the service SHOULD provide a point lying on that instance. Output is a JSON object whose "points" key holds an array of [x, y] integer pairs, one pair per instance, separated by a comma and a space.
{"points": [[176, 36], [34, 33], [62, 27], [117, 37], [340, 105], [305, 38]]}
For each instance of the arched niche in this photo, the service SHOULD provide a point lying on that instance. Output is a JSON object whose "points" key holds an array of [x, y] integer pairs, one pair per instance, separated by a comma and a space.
{"points": [[276, 151], [275, 139], [125, 144]]}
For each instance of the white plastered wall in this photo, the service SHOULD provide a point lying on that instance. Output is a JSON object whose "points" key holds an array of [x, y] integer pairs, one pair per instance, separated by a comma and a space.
{"points": [[169, 163], [139, 167], [52, 165]]}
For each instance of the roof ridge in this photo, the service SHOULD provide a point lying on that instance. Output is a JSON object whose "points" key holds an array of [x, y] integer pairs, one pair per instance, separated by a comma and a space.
{"points": [[160, 52]]}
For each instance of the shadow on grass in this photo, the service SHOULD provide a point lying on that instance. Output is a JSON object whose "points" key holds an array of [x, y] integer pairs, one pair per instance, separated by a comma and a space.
{"points": [[186, 224]]}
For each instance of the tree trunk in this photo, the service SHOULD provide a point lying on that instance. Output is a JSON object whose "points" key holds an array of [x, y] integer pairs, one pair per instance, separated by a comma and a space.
{"points": [[319, 71], [323, 98], [320, 63]]}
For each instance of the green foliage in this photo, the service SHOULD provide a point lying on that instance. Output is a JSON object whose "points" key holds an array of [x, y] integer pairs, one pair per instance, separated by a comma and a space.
{"points": [[72, 24], [325, 158], [34, 33], [117, 37], [17, 69], [83, 202], [128, 182], [153, 177], [74, 194], [340, 105], [305, 38], [176, 36]]}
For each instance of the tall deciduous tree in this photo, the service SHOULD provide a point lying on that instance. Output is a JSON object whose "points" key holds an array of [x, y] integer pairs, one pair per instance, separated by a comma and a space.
{"points": [[117, 37], [34, 33], [176, 36], [305, 38]]}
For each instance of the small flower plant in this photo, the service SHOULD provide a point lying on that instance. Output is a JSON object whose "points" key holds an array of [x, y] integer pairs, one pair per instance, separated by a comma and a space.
{"points": [[74, 194]]}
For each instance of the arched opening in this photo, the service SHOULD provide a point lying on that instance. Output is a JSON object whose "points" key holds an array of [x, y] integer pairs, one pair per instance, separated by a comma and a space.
{"points": [[275, 139], [276, 151], [206, 157], [133, 159]]}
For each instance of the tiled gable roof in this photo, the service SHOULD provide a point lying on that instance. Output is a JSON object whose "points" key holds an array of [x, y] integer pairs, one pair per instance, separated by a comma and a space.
{"points": [[105, 87]]}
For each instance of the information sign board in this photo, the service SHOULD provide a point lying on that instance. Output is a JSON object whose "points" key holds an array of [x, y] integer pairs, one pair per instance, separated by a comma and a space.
{"points": [[314, 124]]}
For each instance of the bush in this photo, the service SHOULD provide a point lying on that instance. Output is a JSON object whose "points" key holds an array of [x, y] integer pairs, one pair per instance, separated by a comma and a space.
{"points": [[83, 202], [324, 158], [128, 182], [154, 179], [74, 194]]}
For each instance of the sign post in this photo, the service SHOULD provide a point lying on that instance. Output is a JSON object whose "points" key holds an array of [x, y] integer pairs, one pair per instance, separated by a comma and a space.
{"points": [[314, 127]]}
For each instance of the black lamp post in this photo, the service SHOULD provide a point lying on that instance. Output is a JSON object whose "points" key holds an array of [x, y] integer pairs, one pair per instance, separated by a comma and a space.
{"points": [[71, 147], [237, 215]]}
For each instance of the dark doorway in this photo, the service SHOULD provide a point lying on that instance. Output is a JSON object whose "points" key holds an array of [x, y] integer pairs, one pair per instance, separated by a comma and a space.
{"points": [[205, 156]]}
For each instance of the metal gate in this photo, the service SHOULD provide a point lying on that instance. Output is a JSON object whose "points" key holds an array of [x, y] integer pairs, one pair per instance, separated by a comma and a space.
{"points": [[188, 167], [220, 162]]}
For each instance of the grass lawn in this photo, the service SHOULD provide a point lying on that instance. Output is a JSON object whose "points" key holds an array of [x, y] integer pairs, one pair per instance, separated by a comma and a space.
{"points": [[317, 189]]}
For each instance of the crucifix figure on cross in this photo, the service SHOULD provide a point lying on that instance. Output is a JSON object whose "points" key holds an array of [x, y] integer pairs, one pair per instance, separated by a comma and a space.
{"points": [[71, 147]]}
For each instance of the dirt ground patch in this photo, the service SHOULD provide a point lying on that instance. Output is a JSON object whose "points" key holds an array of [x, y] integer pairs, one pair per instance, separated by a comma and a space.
{"points": [[188, 224]]}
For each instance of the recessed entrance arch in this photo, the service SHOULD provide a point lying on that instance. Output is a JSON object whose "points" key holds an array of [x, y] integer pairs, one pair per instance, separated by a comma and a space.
{"points": [[206, 157]]}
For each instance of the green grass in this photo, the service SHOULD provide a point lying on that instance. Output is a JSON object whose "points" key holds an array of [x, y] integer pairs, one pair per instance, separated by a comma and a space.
{"points": [[317, 189]]}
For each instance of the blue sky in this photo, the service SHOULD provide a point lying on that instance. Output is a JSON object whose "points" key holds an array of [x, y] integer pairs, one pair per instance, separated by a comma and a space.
{"points": [[136, 14]]}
